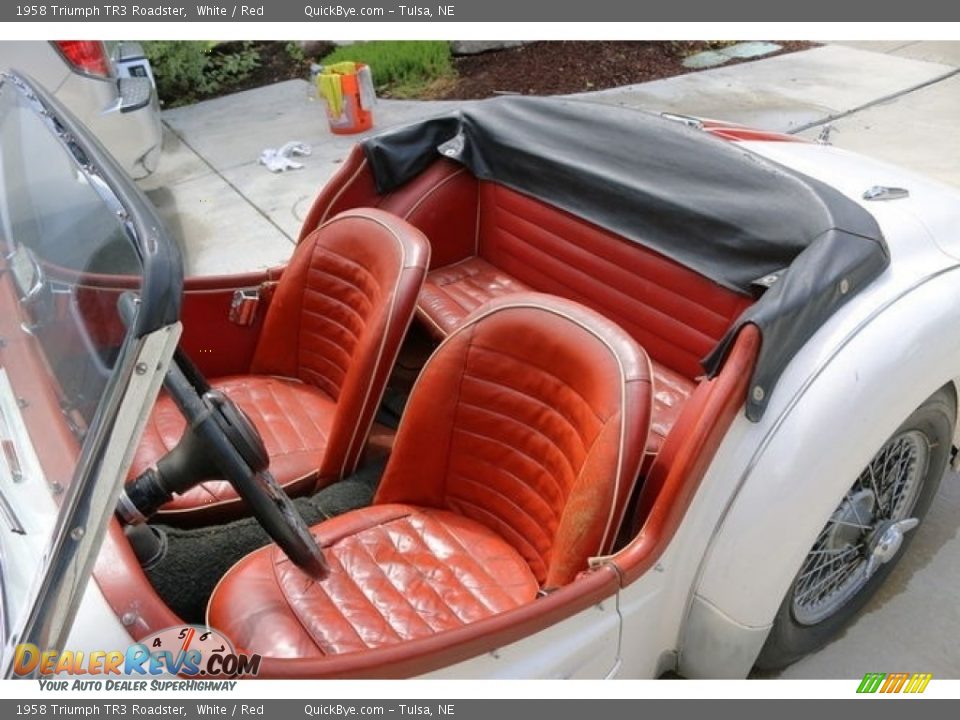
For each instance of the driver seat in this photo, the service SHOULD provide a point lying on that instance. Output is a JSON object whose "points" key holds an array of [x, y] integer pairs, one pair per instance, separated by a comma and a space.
{"points": [[512, 466], [328, 344]]}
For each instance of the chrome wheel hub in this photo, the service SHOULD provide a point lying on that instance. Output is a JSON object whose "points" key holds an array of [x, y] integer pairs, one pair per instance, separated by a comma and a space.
{"points": [[886, 541], [865, 531]]}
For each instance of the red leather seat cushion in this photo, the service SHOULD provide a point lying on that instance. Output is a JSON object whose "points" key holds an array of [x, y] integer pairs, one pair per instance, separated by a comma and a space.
{"points": [[398, 573], [453, 292], [292, 417]]}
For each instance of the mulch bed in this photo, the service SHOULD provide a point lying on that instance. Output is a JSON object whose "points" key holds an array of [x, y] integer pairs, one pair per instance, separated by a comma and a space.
{"points": [[538, 68], [561, 67]]}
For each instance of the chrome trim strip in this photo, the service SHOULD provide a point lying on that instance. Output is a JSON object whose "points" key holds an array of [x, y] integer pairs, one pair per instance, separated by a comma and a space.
{"points": [[92, 497]]}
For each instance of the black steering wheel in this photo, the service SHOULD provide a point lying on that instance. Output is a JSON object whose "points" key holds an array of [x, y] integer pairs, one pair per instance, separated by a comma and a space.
{"points": [[220, 442]]}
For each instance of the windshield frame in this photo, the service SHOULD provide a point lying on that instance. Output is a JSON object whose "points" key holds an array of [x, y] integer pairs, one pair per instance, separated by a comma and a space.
{"points": [[88, 505]]}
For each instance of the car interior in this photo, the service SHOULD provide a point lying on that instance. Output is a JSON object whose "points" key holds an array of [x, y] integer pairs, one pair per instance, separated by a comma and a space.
{"points": [[469, 393], [490, 413]]}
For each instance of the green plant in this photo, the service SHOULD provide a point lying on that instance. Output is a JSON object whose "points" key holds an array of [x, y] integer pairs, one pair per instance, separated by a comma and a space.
{"points": [[188, 69], [400, 68], [229, 66], [295, 52]]}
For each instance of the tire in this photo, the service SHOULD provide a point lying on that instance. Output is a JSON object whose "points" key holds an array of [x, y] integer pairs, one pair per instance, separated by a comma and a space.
{"points": [[805, 622]]}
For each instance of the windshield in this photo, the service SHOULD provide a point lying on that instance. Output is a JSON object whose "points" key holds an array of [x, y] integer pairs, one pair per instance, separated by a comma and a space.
{"points": [[71, 244], [61, 236]]}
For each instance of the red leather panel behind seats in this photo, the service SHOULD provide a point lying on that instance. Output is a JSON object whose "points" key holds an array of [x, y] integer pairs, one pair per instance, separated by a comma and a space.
{"points": [[677, 315]]}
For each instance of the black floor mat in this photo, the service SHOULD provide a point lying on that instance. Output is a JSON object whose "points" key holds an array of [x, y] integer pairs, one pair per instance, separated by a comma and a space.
{"points": [[196, 558]]}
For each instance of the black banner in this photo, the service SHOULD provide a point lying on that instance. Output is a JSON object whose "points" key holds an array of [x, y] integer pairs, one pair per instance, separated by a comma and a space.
{"points": [[486, 11], [326, 709]]}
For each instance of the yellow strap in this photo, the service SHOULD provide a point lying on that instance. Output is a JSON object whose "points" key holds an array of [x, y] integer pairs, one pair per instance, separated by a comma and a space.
{"points": [[328, 86], [347, 67]]}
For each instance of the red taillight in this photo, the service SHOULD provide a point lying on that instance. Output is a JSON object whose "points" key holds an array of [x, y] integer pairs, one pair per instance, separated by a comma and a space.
{"points": [[87, 56]]}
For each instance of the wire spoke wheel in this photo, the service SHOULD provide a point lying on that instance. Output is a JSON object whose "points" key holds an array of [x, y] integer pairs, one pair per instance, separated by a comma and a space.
{"points": [[865, 536], [839, 564]]}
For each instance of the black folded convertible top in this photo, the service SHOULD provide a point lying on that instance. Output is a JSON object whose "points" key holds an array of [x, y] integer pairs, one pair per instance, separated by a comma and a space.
{"points": [[711, 205]]}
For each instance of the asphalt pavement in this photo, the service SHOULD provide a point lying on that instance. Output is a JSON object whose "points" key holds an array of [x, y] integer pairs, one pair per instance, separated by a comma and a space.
{"points": [[897, 101]]}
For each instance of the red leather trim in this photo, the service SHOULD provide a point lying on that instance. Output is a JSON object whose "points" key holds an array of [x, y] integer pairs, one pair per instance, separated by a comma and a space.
{"points": [[351, 186], [677, 315], [671, 391], [451, 293], [442, 202], [215, 344], [206, 283], [739, 134], [686, 455]]}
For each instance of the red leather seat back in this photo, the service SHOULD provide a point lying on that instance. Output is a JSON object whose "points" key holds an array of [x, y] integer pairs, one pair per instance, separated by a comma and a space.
{"points": [[531, 419], [339, 315], [677, 315]]}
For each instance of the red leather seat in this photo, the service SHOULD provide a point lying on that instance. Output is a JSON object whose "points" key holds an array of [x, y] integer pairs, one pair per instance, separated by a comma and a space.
{"points": [[329, 341], [451, 293], [513, 464]]}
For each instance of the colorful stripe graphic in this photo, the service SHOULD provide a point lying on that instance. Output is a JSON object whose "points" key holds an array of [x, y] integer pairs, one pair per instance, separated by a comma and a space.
{"points": [[894, 682]]}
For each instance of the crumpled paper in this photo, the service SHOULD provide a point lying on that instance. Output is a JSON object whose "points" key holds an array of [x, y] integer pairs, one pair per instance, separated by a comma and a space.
{"points": [[278, 160]]}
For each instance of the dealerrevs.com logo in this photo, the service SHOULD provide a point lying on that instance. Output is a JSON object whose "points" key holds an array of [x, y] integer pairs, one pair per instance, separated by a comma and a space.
{"points": [[912, 683], [187, 651]]}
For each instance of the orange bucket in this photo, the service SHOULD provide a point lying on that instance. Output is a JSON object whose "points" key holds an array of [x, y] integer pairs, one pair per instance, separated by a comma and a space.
{"points": [[353, 117]]}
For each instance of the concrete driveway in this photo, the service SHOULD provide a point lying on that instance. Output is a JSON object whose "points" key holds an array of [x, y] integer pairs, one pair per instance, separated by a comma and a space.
{"points": [[898, 101]]}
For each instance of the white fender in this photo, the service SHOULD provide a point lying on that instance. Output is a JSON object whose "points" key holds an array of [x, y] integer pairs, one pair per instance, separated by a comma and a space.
{"points": [[815, 446]]}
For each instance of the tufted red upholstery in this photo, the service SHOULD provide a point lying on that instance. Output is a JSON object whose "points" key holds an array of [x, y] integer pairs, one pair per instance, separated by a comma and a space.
{"points": [[517, 453], [329, 341], [433, 570], [453, 292], [677, 315]]}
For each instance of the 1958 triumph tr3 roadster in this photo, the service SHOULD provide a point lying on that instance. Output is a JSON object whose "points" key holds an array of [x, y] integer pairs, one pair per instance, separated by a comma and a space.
{"points": [[546, 389]]}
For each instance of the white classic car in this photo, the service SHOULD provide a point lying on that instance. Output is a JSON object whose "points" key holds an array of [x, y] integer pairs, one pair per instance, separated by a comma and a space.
{"points": [[547, 389]]}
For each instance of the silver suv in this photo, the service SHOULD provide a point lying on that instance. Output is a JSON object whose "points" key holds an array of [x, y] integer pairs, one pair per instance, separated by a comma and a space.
{"points": [[108, 86]]}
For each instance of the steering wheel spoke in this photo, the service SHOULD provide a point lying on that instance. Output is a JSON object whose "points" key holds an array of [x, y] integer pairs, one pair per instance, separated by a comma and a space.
{"points": [[221, 442]]}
